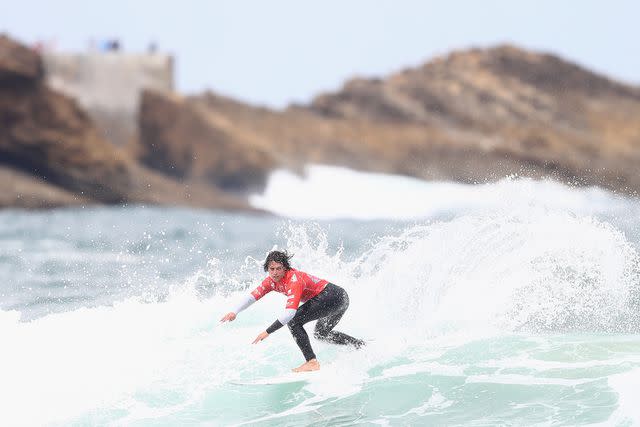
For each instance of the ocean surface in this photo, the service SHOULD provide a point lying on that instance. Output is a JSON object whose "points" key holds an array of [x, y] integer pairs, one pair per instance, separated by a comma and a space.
{"points": [[512, 303]]}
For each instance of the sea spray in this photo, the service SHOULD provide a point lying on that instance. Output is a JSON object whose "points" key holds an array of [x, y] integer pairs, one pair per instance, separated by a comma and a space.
{"points": [[535, 271], [520, 310]]}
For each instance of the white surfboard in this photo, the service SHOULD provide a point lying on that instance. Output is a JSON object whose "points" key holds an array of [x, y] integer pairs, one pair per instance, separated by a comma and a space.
{"points": [[288, 378]]}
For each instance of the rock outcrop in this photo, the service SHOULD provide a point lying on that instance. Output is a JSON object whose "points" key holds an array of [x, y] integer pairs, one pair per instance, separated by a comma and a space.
{"points": [[20, 189], [48, 135], [50, 148], [535, 111], [472, 116], [183, 140]]}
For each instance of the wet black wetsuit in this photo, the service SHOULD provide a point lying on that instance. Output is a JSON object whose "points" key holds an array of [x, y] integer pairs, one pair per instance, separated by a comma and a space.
{"points": [[327, 308]]}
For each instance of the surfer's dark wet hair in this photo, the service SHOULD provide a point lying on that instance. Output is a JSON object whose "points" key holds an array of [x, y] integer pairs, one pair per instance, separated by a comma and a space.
{"points": [[278, 256]]}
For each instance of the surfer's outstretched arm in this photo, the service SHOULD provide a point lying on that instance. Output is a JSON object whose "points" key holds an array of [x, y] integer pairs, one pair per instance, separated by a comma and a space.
{"points": [[249, 299], [246, 302]]}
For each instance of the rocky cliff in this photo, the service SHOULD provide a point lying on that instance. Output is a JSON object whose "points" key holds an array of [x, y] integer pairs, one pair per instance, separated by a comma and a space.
{"points": [[187, 141], [525, 112], [471, 116], [51, 153]]}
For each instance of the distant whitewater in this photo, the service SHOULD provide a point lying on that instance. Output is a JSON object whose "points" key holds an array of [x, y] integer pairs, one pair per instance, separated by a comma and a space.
{"points": [[327, 192], [509, 303]]}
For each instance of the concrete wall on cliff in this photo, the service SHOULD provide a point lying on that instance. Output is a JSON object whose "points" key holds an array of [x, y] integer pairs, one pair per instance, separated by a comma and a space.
{"points": [[108, 85]]}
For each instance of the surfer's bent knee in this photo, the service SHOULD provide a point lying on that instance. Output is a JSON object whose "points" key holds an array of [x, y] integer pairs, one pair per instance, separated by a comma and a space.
{"points": [[320, 333]]}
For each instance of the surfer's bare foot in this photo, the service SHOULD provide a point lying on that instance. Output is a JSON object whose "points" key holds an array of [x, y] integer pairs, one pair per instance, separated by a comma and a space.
{"points": [[311, 365]]}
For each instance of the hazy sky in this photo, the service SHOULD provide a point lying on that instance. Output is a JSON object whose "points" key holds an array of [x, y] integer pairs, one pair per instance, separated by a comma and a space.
{"points": [[280, 51]]}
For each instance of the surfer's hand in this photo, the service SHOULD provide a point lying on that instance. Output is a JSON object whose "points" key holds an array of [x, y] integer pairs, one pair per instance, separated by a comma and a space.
{"points": [[228, 317], [260, 337]]}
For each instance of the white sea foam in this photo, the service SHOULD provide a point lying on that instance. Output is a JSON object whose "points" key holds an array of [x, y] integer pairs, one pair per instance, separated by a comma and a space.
{"points": [[486, 274], [626, 386], [419, 292], [77, 362], [326, 192]]}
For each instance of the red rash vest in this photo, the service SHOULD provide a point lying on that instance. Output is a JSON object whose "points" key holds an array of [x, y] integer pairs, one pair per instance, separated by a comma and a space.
{"points": [[297, 285]]}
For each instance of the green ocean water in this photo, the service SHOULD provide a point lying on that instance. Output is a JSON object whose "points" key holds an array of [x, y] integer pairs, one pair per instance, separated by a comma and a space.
{"points": [[500, 315]]}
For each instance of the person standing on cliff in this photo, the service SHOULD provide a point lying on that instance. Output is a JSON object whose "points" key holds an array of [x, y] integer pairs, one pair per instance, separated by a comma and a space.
{"points": [[321, 301]]}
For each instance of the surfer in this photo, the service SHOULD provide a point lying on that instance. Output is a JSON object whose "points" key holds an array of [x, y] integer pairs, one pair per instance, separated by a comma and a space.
{"points": [[321, 300]]}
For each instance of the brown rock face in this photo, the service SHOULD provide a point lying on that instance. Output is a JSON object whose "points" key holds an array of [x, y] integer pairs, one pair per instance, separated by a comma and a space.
{"points": [[183, 140], [479, 89], [18, 189], [487, 113], [46, 134], [51, 154], [17, 63], [471, 116]]}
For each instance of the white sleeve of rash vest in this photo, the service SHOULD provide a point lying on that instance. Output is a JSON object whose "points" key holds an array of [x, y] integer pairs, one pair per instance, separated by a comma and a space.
{"points": [[246, 302], [287, 315]]}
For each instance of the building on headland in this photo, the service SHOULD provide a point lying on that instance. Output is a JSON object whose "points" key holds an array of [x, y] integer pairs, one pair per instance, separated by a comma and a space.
{"points": [[108, 84]]}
